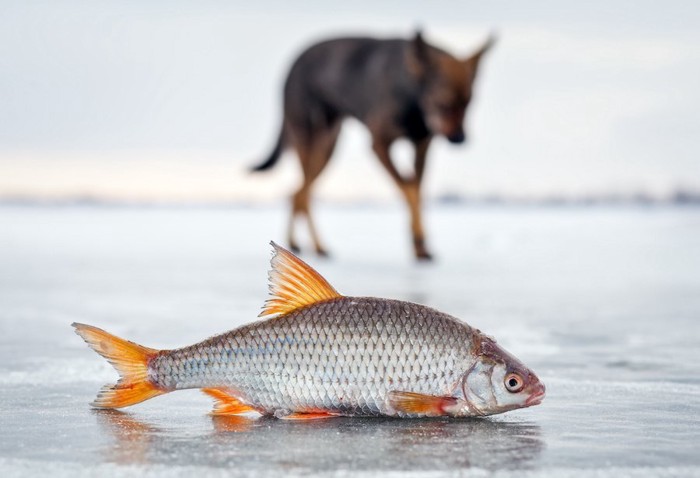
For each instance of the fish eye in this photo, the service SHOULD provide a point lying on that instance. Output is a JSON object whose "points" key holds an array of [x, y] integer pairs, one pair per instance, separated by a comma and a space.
{"points": [[514, 382]]}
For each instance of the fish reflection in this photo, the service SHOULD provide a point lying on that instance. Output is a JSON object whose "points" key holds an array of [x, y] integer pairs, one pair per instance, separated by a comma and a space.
{"points": [[133, 438], [232, 423], [322, 445]]}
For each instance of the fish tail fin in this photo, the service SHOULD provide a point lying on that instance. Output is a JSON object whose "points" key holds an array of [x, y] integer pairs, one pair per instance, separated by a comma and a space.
{"points": [[130, 360]]}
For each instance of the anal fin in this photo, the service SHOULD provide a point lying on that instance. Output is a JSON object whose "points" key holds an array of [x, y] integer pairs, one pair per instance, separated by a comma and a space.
{"points": [[308, 416], [420, 404], [225, 403]]}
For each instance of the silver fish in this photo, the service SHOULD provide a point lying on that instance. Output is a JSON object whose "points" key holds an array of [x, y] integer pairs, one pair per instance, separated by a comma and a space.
{"points": [[319, 354]]}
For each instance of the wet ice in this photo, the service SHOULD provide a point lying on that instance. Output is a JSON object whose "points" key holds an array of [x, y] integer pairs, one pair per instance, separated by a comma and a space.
{"points": [[601, 303]]}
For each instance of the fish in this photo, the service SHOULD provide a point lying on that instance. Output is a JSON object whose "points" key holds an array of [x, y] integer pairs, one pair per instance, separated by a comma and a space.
{"points": [[315, 353]]}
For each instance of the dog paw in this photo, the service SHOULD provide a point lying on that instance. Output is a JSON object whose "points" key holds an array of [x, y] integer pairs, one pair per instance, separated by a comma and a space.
{"points": [[321, 252], [424, 256]]}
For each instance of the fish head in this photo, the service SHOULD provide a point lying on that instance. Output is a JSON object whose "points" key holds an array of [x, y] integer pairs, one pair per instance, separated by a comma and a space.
{"points": [[498, 382]]}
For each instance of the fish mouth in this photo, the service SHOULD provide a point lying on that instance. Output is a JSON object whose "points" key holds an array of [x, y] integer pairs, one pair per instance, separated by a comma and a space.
{"points": [[536, 398]]}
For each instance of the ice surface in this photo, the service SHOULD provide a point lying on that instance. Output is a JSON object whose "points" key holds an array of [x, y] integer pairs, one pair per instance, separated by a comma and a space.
{"points": [[602, 303]]}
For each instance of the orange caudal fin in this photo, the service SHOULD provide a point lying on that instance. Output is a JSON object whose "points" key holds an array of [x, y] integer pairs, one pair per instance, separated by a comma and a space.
{"points": [[225, 403], [130, 360]]}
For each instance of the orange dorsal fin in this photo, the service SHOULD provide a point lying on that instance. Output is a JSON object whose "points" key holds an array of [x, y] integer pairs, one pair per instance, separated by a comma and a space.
{"points": [[420, 404], [130, 360], [225, 403], [294, 284]]}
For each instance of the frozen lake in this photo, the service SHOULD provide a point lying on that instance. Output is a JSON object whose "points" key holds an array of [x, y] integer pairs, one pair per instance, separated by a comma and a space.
{"points": [[602, 303]]}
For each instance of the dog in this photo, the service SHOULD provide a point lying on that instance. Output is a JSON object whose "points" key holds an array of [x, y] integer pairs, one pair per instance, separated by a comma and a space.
{"points": [[398, 88]]}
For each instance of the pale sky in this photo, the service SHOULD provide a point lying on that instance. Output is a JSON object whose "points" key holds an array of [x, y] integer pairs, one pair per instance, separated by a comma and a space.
{"points": [[172, 100]]}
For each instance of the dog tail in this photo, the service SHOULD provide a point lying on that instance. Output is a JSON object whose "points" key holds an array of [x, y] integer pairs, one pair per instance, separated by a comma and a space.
{"points": [[274, 155]]}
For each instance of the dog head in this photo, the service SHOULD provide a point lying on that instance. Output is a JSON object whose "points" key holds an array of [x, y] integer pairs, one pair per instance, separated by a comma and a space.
{"points": [[446, 85]]}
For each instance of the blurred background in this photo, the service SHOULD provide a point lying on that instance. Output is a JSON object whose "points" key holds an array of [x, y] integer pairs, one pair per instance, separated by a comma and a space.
{"points": [[171, 101], [567, 227]]}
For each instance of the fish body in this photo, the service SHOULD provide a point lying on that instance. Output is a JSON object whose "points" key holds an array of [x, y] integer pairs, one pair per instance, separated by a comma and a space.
{"points": [[344, 355], [322, 354]]}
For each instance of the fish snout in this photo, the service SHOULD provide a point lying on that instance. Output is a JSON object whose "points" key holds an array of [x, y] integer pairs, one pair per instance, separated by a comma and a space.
{"points": [[537, 395]]}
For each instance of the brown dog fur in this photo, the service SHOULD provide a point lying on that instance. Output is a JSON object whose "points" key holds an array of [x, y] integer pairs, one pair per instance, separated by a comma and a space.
{"points": [[396, 88]]}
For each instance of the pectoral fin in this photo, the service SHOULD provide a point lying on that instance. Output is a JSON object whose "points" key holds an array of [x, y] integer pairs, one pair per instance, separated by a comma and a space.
{"points": [[225, 403], [420, 404]]}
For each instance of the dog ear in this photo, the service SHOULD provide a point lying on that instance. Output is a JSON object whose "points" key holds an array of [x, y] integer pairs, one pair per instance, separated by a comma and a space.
{"points": [[472, 62], [418, 57]]}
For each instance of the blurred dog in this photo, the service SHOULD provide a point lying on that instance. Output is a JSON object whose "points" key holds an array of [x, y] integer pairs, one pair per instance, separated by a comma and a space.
{"points": [[397, 88]]}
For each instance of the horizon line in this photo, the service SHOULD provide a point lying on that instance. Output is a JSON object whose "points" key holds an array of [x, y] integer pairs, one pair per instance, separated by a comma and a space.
{"points": [[677, 197]]}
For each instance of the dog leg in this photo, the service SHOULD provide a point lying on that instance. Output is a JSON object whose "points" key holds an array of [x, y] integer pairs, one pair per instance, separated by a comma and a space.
{"points": [[314, 159], [301, 207], [381, 149], [413, 197], [410, 190], [296, 210]]}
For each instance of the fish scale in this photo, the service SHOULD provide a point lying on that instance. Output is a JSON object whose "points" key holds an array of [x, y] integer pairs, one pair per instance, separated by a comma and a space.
{"points": [[320, 354], [343, 355]]}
